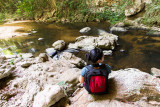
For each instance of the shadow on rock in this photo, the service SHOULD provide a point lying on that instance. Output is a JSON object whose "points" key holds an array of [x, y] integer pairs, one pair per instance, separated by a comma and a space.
{"points": [[82, 98], [112, 92]]}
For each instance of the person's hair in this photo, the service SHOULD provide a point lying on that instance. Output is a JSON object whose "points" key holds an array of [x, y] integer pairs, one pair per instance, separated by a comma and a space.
{"points": [[94, 55]]}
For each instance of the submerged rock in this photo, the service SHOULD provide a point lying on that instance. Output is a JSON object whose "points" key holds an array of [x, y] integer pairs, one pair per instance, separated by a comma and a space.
{"points": [[33, 31], [59, 45], [153, 33], [40, 39], [118, 29]]}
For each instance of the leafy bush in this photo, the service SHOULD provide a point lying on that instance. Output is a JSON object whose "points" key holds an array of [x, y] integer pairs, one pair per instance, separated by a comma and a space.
{"points": [[2, 17], [152, 15]]}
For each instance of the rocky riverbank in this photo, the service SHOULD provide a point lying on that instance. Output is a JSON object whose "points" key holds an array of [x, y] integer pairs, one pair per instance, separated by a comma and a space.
{"points": [[52, 78], [42, 81]]}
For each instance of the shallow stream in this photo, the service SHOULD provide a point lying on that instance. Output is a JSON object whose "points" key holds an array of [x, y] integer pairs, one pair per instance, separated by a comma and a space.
{"points": [[135, 49]]}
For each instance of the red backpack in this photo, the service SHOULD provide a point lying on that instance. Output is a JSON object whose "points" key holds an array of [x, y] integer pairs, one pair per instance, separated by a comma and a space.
{"points": [[96, 80]]}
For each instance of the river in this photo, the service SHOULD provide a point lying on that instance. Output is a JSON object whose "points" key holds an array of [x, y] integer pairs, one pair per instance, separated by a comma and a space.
{"points": [[135, 50]]}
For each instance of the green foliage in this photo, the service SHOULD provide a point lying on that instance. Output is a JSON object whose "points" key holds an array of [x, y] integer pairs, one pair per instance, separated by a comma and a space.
{"points": [[27, 8], [70, 8], [2, 17], [152, 16], [62, 83], [12, 62], [24, 8], [112, 16]]}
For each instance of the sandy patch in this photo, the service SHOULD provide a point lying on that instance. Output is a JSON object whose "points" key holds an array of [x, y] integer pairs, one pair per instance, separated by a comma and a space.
{"points": [[10, 31], [14, 22]]}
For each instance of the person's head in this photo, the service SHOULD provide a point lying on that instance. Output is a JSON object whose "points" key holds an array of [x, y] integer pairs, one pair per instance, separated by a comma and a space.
{"points": [[95, 55]]}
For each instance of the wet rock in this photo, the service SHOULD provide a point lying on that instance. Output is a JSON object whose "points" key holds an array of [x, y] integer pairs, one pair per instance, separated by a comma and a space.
{"points": [[135, 9], [30, 43], [107, 52], [40, 39], [85, 30], [56, 56], [51, 51], [155, 72], [71, 50], [59, 45], [121, 50], [118, 29], [32, 50], [49, 96], [25, 64], [33, 31], [104, 41], [42, 57]]}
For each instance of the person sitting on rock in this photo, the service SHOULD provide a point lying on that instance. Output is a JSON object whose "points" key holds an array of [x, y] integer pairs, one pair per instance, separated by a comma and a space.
{"points": [[95, 76]]}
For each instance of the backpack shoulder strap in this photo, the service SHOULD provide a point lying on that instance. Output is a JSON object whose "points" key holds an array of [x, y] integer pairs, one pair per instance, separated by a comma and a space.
{"points": [[90, 68]]}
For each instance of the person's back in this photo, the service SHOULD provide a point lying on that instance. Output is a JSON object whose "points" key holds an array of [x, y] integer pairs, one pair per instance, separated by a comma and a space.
{"points": [[95, 76]]}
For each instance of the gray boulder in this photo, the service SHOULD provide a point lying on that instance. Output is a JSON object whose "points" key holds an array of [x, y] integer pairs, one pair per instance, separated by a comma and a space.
{"points": [[51, 51], [104, 41], [59, 45], [49, 96]]}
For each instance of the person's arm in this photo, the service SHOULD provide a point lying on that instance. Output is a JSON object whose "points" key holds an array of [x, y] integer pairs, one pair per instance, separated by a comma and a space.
{"points": [[81, 79]]}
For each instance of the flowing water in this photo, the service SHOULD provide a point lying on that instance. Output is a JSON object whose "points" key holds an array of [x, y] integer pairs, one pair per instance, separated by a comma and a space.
{"points": [[135, 49]]}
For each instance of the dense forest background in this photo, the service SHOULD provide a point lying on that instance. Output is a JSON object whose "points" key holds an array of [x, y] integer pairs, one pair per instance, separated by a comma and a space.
{"points": [[75, 10]]}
